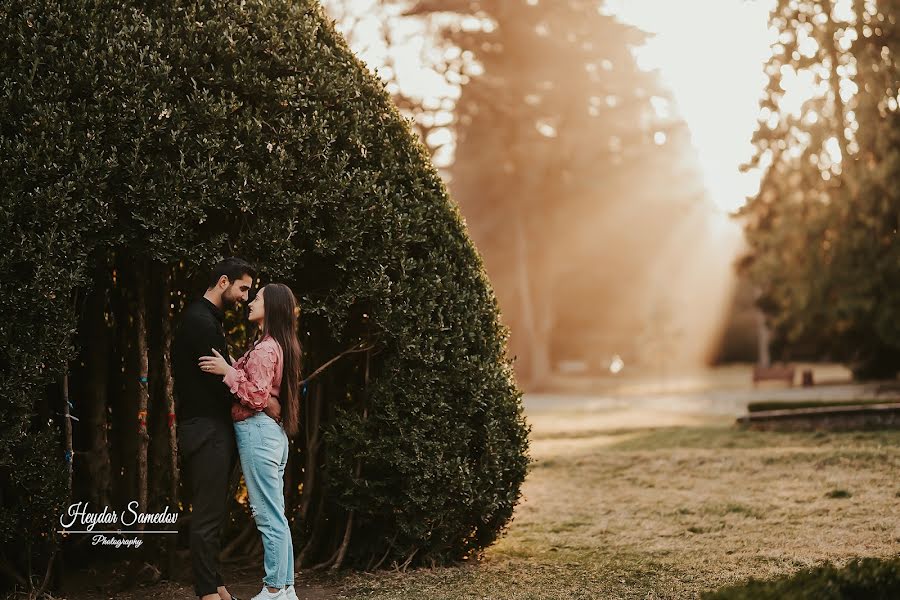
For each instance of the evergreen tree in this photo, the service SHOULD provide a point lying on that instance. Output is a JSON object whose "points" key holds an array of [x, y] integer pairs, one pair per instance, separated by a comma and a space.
{"points": [[555, 143]]}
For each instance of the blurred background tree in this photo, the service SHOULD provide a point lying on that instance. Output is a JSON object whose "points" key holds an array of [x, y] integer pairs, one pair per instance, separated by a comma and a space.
{"points": [[422, 70], [555, 135], [823, 228]]}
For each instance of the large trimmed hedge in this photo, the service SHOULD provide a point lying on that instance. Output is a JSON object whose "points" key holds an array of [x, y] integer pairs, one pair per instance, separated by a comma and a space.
{"points": [[140, 141]]}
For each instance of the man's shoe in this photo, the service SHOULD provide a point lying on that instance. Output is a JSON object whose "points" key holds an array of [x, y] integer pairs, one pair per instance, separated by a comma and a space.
{"points": [[265, 594], [290, 594]]}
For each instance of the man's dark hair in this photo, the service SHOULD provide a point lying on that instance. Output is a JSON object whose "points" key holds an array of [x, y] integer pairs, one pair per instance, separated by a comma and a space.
{"points": [[233, 268]]}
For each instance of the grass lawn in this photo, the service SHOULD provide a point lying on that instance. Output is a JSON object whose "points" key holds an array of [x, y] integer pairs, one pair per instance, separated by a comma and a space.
{"points": [[658, 500], [671, 512]]}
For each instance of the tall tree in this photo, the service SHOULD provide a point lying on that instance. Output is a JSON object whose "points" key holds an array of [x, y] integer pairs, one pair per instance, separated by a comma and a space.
{"points": [[823, 228], [421, 69], [554, 143]]}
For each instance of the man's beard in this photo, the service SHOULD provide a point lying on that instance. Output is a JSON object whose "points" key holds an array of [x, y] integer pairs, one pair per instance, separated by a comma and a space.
{"points": [[228, 301]]}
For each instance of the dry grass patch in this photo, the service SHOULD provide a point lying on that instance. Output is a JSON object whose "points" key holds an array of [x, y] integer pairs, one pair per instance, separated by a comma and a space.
{"points": [[673, 512]]}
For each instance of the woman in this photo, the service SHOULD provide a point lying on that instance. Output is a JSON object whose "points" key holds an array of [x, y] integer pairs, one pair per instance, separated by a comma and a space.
{"points": [[266, 380]]}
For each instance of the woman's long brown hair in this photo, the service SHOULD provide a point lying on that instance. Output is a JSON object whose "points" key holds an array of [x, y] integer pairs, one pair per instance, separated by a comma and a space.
{"points": [[280, 321]]}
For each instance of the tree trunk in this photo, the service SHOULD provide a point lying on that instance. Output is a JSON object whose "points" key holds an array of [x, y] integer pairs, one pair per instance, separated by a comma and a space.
{"points": [[94, 416], [545, 321], [345, 543], [536, 334], [311, 502], [311, 430], [67, 417], [324, 521], [316, 532], [169, 390], [142, 391], [124, 397], [764, 360]]}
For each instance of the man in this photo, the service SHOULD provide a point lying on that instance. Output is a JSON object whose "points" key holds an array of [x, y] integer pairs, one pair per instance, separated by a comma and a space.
{"points": [[205, 432]]}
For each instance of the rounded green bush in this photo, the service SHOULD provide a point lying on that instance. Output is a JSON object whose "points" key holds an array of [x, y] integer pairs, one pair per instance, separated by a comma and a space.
{"points": [[860, 579], [168, 134]]}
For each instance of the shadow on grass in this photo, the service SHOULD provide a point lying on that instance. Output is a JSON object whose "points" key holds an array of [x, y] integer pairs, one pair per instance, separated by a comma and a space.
{"points": [[865, 579]]}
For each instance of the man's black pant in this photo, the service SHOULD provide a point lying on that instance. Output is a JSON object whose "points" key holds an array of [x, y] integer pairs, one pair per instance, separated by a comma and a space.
{"points": [[208, 454]]}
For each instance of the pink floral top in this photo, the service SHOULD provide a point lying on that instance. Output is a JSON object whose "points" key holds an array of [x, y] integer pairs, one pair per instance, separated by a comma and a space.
{"points": [[255, 377]]}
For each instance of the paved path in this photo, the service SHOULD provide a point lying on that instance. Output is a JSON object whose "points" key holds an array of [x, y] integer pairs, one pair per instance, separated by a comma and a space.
{"points": [[714, 402], [714, 396]]}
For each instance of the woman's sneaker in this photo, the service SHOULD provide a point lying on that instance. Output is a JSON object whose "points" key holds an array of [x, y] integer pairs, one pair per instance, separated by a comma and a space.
{"points": [[290, 594], [265, 594]]}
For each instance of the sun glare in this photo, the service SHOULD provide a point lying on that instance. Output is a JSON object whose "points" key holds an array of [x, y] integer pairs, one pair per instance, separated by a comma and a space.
{"points": [[715, 74], [716, 77], [406, 53]]}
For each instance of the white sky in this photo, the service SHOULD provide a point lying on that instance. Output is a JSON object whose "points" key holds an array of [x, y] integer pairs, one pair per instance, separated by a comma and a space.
{"points": [[715, 74], [710, 53]]}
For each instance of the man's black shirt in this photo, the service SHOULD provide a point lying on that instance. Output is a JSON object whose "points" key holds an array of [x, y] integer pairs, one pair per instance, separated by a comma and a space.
{"points": [[199, 394]]}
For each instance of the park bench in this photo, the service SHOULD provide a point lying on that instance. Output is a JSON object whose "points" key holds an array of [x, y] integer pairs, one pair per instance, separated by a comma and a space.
{"points": [[772, 373]]}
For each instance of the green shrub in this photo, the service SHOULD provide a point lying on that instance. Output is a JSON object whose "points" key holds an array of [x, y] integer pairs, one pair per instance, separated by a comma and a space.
{"points": [[838, 493], [861, 579], [44, 220], [157, 137]]}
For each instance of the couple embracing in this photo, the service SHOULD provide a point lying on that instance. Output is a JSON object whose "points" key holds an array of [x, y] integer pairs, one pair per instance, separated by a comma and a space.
{"points": [[228, 408]]}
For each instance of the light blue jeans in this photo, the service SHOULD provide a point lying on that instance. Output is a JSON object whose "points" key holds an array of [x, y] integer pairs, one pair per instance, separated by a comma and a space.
{"points": [[263, 448]]}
